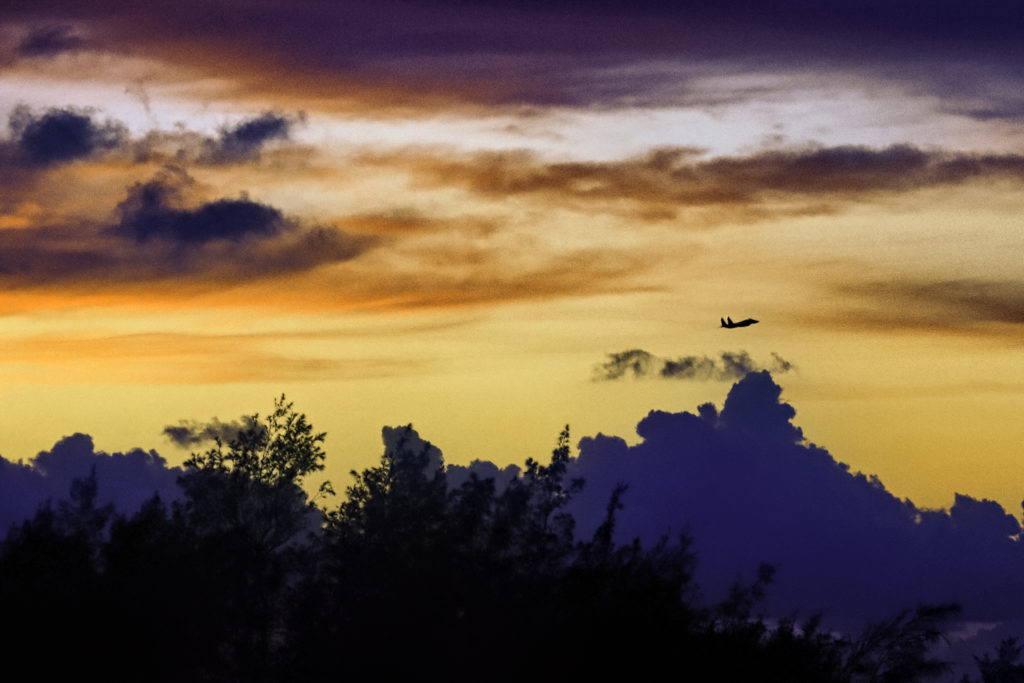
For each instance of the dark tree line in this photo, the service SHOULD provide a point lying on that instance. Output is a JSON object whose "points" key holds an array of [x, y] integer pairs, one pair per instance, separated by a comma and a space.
{"points": [[409, 578]]}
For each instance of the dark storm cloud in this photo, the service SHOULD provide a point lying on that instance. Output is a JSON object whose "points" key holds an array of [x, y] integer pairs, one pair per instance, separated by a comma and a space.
{"points": [[730, 365], [189, 433], [817, 177], [50, 41], [125, 479], [62, 135], [751, 489]]}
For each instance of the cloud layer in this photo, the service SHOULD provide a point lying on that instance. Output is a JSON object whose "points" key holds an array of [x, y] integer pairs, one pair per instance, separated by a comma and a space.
{"points": [[171, 229], [125, 480], [822, 179], [424, 53], [749, 488]]}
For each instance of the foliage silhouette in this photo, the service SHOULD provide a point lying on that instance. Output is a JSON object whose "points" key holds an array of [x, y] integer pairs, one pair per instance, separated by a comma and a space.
{"points": [[898, 648], [49, 582], [254, 484], [408, 577], [1004, 667]]}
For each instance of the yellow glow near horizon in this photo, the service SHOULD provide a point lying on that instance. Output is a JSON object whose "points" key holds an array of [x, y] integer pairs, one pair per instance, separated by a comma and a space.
{"points": [[513, 247]]}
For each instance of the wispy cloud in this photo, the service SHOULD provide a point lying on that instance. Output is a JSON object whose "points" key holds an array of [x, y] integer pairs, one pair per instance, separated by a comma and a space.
{"points": [[421, 54], [728, 366], [189, 358], [974, 307], [189, 433], [668, 181]]}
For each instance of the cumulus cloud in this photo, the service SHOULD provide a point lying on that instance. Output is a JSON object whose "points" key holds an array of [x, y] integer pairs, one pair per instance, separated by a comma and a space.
{"points": [[61, 135], [188, 433], [125, 480], [482, 469], [730, 365], [154, 210], [749, 488], [64, 134], [407, 440], [161, 231]]}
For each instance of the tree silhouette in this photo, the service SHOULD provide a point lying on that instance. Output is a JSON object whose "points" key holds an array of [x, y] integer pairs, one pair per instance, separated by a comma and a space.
{"points": [[254, 484], [50, 581], [409, 577], [255, 528], [1004, 667], [898, 649]]}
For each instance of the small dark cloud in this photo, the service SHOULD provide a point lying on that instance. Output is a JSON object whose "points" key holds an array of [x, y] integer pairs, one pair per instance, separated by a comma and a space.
{"points": [[780, 365], [632, 361], [162, 232], [243, 141], [126, 480], [62, 135], [145, 216], [730, 365], [154, 210], [188, 433], [50, 41]]}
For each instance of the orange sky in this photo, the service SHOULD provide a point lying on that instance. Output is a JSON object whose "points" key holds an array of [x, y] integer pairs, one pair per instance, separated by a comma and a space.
{"points": [[199, 213]]}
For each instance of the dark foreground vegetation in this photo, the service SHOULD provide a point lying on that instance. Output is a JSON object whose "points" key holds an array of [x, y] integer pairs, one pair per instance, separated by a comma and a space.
{"points": [[246, 579]]}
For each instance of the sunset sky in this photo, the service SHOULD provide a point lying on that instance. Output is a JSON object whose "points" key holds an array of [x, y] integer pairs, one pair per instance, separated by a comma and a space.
{"points": [[462, 215]]}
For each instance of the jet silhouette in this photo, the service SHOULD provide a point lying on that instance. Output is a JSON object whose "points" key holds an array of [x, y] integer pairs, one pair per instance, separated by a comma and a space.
{"points": [[729, 324]]}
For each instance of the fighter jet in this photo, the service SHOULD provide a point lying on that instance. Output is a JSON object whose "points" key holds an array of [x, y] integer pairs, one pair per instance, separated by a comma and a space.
{"points": [[729, 324]]}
